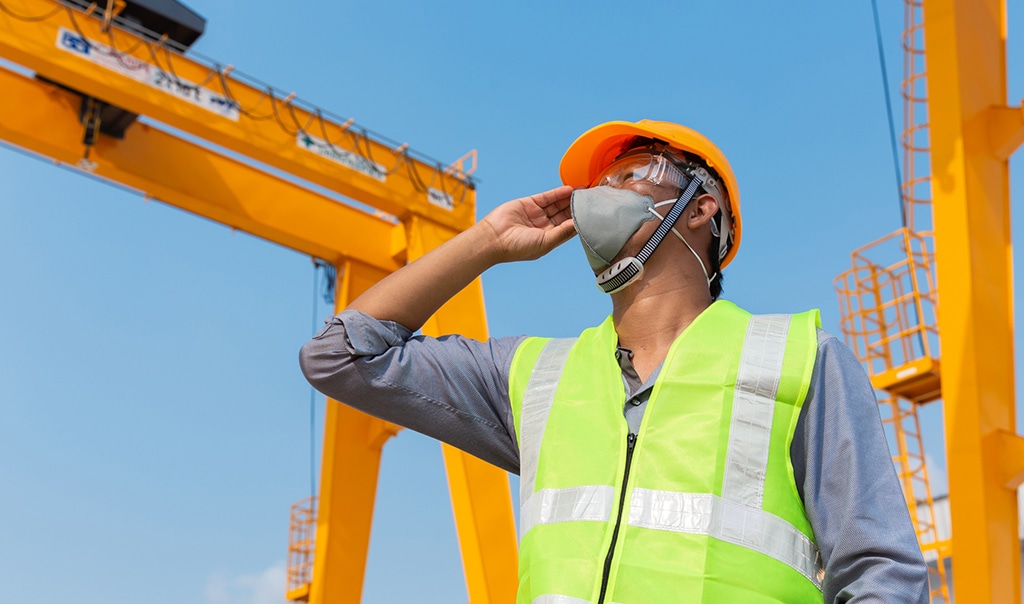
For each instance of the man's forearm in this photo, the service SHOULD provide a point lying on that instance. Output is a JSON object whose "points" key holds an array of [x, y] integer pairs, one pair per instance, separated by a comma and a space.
{"points": [[410, 295], [521, 229]]}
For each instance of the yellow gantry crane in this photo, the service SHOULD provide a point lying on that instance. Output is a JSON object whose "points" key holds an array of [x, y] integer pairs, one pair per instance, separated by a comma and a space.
{"points": [[959, 133], [97, 66]]}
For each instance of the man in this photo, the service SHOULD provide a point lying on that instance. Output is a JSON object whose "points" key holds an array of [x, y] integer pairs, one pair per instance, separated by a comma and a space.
{"points": [[684, 450]]}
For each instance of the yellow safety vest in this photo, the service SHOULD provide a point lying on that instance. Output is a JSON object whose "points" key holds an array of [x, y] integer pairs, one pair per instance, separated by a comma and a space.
{"points": [[701, 505]]}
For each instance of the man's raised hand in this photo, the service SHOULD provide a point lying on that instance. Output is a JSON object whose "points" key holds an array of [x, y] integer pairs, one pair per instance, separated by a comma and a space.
{"points": [[529, 227]]}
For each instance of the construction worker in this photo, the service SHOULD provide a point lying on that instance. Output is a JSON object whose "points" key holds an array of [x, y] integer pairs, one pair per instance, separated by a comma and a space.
{"points": [[683, 450]]}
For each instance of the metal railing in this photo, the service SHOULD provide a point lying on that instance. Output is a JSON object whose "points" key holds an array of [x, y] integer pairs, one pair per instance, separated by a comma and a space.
{"points": [[889, 303], [301, 541]]}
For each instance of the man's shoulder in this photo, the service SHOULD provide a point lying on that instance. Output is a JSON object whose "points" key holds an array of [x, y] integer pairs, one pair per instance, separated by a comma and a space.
{"points": [[833, 356], [827, 339]]}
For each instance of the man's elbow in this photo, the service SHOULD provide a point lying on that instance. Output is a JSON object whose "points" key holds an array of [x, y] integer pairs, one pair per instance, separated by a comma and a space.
{"points": [[317, 364]]}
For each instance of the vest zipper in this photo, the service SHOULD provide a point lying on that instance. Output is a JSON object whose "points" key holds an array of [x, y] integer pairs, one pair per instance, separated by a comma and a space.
{"points": [[630, 443]]}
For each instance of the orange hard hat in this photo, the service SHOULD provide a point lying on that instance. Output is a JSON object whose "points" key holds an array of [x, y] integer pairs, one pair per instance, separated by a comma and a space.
{"points": [[598, 147]]}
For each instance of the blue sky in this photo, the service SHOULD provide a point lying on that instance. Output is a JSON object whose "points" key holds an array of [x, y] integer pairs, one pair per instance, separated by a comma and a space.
{"points": [[156, 425]]}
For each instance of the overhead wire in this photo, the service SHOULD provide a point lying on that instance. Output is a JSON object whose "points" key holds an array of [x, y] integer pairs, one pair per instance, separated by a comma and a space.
{"points": [[323, 130], [225, 87], [901, 194], [277, 116], [33, 19], [295, 118], [888, 110], [312, 395], [127, 51], [325, 276]]}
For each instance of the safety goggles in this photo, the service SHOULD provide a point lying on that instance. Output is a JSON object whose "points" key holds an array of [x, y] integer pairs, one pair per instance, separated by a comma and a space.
{"points": [[642, 166]]}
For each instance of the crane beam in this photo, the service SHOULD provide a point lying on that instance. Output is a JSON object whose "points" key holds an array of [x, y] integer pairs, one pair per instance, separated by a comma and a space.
{"points": [[44, 119], [972, 135], [147, 78]]}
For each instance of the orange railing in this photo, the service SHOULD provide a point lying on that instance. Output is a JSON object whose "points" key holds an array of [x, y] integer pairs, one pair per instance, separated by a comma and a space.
{"points": [[900, 417], [888, 307], [301, 535], [917, 186]]}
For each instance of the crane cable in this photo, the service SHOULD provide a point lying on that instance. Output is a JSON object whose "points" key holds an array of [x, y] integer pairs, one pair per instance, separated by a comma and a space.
{"points": [[895, 156], [312, 401], [325, 276], [888, 110]]}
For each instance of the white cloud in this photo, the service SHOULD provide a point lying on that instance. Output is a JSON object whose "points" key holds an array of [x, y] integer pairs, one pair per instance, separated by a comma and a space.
{"points": [[266, 587]]}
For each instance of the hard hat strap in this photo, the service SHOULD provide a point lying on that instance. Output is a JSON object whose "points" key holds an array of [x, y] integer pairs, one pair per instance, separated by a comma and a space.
{"points": [[670, 220], [711, 185]]}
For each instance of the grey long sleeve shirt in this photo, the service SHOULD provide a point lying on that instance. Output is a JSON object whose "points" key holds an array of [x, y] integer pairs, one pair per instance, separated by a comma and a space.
{"points": [[455, 389]]}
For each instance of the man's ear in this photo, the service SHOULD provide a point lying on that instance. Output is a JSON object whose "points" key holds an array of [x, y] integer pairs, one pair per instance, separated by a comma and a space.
{"points": [[702, 209]]}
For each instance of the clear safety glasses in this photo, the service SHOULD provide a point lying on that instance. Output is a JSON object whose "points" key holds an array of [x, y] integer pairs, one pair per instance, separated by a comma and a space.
{"points": [[642, 166]]}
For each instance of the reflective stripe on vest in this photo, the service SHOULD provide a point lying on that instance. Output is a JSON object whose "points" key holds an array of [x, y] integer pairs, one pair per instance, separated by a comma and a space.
{"points": [[734, 517], [753, 408], [704, 514], [572, 504], [694, 513], [537, 401]]}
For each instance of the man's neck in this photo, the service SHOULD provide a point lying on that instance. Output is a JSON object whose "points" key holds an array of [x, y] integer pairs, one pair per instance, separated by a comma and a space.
{"points": [[649, 318]]}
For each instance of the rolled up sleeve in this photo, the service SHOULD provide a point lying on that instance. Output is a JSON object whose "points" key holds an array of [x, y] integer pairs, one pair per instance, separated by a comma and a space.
{"points": [[453, 388]]}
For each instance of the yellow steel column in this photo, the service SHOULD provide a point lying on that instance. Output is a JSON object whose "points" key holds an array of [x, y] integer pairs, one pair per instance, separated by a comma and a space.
{"points": [[348, 479], [972, 136], [481, 497]]}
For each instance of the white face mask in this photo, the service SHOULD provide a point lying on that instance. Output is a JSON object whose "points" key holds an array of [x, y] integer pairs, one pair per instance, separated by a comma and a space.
{"points": [[606, 218]]}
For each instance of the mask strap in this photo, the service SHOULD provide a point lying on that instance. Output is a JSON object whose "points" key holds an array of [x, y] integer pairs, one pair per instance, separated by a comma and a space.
{"points": [[687, 243], [715, 230], [723, 225], [628, 270], [695, 255]]}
